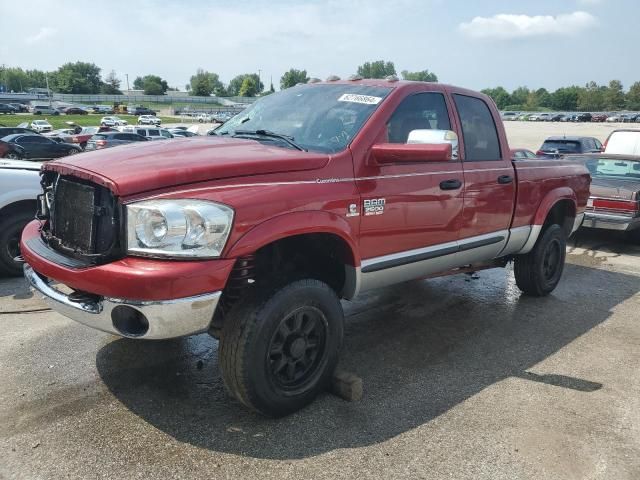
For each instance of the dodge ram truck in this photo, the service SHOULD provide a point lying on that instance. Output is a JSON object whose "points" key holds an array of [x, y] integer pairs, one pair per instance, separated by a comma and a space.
{"points": [[309, 196]]}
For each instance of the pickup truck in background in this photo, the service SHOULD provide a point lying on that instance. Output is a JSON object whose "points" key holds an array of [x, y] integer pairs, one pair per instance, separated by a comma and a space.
{"points": [[19, 188], [311, 195]]}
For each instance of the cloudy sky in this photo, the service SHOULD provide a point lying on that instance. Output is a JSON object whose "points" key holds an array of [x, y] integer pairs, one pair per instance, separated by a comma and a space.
{"points": [[471, 43]]}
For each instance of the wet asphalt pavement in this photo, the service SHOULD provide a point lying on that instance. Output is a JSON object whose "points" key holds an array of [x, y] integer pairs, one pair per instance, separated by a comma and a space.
{"points": [[463, 378]]}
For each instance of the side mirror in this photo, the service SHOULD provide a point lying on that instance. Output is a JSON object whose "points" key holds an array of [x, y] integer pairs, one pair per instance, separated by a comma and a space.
{"points": [[385, 153], [435, 137]]}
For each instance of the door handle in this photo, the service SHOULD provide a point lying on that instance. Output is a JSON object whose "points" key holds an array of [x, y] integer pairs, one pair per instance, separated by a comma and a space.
{"points": [[504, 179], [452, 184]]}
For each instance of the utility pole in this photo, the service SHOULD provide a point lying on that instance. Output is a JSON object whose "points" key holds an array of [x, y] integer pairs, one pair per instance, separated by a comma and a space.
{"points": [[46, 77], [128, 89], [259, 81]]}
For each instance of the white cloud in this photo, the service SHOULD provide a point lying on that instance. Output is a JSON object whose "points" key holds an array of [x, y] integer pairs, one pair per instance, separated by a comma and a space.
{"points": [[506, 26], [43, 34]]}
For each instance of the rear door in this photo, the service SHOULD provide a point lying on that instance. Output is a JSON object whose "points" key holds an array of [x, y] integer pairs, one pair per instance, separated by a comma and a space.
{"points": [[489, 190]]}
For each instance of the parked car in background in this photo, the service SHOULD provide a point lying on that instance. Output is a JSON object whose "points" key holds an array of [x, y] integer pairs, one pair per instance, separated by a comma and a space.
{"points": [[204, 118], [557, 117], [105, 109], [615, 193], [7, 109], [19, 188], [544, 117], [623, 142], [22, 128], [103, 140], [27, 146], [150, 132], [599, 117], [614, 118], [112, 121], [149, 120], [630, 117], [41, 126], [19, 107], [509, 116], [555, 147], [583, 117], [138, 110], [39, 109], [75, 111], [178, 132], [522, 154]]}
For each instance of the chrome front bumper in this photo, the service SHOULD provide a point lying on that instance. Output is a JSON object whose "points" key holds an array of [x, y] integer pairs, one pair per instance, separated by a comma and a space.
{"points": [[162, 319], [611, 222]]}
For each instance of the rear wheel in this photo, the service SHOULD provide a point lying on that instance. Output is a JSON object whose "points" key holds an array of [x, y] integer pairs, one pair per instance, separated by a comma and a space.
{"points": [[13, 156], [10, 233], [279, 347], [539, 271]]}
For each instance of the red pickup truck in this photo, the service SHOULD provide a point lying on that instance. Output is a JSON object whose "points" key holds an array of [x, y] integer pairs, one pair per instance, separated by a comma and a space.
{"points": [[311, 195]]}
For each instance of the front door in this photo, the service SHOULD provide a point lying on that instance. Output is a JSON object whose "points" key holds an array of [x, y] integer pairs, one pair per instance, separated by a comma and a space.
{"points": [[410, 211]]}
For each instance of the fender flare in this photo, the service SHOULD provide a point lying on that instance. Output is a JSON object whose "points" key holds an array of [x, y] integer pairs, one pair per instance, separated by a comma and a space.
{"points": [[292, 224], [549, 201]]}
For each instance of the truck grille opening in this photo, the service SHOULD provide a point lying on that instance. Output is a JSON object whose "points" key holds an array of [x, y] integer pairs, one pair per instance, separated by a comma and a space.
{"points": [[84, 219]]}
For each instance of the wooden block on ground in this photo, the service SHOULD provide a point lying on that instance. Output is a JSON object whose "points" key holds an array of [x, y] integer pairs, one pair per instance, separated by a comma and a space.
{"points": [[347, 386]]}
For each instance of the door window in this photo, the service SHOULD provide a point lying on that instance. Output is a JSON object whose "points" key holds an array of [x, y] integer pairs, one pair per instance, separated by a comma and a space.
{"points": [[479, 132], [422, 111]]}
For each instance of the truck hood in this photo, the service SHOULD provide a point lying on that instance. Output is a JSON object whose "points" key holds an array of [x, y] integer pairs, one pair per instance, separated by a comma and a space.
{"points": [[621, 188], [147, 166]]}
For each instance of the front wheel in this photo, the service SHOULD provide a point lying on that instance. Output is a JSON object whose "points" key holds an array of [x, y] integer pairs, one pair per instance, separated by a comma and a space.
{"points": [[13, 156], [279, 347], [539, 271]]}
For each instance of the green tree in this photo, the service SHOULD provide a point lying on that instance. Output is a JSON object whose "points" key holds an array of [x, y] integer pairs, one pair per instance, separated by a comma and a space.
{"points": [[614, 96], [422, 76], [111, 84], [204, 83], [520, 96], [543, 97], [565, 99], [78, 77], [154, 85], [591, 98], [248, 88], [138, 83], [377, 69], [499, 95], [292, 78], [633, 97], [233, 89]]}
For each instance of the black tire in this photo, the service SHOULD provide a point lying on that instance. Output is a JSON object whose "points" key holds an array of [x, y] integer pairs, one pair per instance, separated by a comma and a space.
{"points": [[10, 232], [300, 324], [13, 156], [539, 271]]}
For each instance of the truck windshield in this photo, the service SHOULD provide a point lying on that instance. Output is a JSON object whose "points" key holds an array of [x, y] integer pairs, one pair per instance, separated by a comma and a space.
{"points": [[321, 118]]}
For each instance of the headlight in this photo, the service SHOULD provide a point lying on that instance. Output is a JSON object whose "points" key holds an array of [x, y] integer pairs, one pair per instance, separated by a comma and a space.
{"points": [[178, 228]]}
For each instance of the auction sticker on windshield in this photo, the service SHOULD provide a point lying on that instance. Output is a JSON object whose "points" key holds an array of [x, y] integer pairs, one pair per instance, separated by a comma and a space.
{"points": [[355, 98]]}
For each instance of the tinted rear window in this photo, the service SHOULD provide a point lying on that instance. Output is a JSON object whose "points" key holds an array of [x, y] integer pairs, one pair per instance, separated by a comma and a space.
{"points": [[562, 145], [99, 136]]}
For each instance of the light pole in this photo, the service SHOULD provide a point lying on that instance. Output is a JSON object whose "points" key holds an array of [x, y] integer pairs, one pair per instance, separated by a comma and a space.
{"points": [[259, 81], [128, 89]]}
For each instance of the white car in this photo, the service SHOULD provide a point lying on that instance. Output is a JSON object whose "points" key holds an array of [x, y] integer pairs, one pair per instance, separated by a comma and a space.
{"points": [[152, 133], [149, 120], [40, 126], [614, 118], [19, 188], [623, 142], [205, 118], [112, 121]]}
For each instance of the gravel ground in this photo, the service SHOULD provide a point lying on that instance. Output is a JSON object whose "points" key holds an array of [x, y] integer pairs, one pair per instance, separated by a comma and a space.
{"points": [[463, 378]]}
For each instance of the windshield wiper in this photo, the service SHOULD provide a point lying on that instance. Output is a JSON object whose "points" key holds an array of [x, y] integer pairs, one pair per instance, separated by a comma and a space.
{"points": [[267, 133]]}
